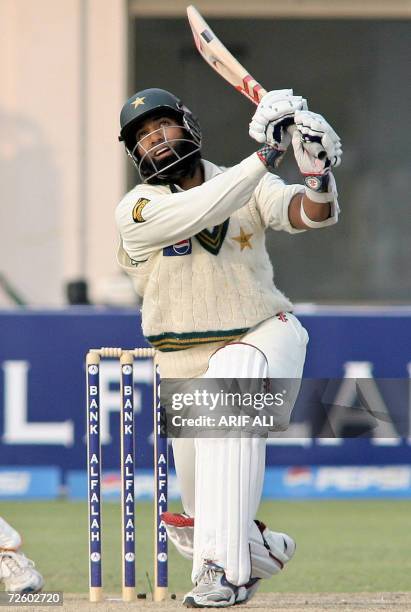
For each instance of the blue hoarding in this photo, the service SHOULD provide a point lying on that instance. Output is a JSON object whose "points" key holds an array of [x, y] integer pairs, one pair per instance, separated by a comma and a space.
{"points": [[42, 385]]}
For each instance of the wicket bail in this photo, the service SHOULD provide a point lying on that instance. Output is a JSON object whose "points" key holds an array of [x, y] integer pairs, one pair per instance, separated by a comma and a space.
{"points": [[127, 453]]}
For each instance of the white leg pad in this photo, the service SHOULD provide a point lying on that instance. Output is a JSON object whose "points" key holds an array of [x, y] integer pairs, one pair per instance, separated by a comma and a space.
{"points": [[229, 478], [269, 550], [180, 531], [9, 538]]}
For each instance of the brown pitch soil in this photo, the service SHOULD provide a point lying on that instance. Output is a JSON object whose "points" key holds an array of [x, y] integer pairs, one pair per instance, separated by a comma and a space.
{"points": [[278, 602]]}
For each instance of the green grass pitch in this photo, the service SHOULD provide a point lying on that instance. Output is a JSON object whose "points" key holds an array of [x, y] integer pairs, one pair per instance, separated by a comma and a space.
{"points": [[342, 546]]}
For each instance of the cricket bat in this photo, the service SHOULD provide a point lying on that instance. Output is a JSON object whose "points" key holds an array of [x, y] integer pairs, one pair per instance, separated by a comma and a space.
{"points": [[222, 61], [220, 58]]}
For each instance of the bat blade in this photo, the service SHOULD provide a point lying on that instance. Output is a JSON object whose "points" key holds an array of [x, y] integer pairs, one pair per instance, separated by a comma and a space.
{"points": [[220, 59]]}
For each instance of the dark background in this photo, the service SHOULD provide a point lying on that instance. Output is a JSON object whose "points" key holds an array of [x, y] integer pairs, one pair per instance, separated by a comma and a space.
{"points": [[355, 73]]}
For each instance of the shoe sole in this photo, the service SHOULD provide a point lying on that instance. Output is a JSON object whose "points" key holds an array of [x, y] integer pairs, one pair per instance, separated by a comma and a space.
{"points": [[190, 602]]}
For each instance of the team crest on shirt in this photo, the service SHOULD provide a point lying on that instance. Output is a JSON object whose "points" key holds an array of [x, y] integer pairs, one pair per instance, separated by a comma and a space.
{"points": [[138, 209], [180, 248], [243, 239]]}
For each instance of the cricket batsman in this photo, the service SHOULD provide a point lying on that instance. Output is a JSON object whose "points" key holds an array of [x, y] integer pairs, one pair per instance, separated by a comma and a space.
{"points": [[193, 241]]}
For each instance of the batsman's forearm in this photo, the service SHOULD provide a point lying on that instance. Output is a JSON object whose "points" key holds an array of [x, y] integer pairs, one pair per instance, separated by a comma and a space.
{"points": [[314, 210], [306, 214]]}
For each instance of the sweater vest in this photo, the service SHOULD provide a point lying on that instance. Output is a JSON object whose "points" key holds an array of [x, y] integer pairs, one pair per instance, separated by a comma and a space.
{"points": [[211, 288]]}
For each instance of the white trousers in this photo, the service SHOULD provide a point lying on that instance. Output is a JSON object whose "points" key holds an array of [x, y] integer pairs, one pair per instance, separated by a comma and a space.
{"points": [[223, 477]]}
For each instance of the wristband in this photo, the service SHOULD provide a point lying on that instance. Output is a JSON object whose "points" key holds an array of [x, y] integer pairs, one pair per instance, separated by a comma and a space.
{"points": [[316, 182], [269, 156], [320, 197], [332, 219]]}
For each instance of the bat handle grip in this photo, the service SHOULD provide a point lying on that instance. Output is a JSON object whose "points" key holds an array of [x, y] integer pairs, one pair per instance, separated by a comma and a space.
{"points": [[261, 93], [291, 129]]}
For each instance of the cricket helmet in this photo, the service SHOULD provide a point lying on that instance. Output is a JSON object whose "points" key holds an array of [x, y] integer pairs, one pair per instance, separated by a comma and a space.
{"points": [[151, 103]]}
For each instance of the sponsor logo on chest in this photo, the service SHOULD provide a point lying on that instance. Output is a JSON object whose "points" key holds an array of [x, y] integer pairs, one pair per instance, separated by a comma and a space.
{"points": [[177, 250]]}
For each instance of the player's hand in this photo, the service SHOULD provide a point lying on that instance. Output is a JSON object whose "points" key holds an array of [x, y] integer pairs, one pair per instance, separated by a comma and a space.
{"points": [[274, 114], [317, 148], [316, 145]]}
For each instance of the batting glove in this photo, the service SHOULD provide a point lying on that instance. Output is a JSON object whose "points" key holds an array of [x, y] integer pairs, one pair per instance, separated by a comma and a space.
{"points": [[317, 148], [274, 114]]}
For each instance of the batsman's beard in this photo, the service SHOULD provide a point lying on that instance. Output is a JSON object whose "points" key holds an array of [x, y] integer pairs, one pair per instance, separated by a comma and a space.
{"points": [[182, 161]]}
